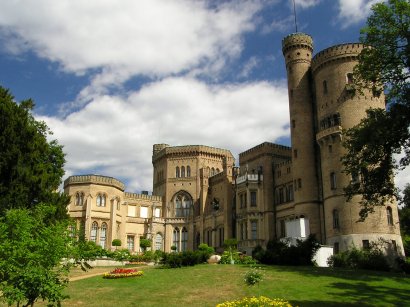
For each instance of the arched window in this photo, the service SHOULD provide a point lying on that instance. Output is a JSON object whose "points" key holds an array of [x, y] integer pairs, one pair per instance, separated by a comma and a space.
{"points": [[99, 200], [335, 219], [94, 232], [182, 171], [103, 235], [184, 239], [158, 242], [212, 171], [389, 216], [103, 200], [183, 204], [177, 175], [188, 171], [118, 204], [217, 171], [77, 199], [175, 238]]}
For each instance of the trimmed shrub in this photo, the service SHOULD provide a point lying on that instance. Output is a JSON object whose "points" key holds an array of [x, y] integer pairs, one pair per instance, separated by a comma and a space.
{"points": [[278, 252]]}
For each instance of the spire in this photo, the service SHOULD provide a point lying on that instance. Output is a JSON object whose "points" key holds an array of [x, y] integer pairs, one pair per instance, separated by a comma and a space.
{"points": [[294, 13]]}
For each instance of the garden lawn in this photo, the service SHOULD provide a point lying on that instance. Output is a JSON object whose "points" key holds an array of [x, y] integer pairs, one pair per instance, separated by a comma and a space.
{"points": [[207, 285]]}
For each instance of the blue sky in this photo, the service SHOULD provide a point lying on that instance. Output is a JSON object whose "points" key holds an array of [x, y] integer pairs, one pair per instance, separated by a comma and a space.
{"points": [[112, 78]]}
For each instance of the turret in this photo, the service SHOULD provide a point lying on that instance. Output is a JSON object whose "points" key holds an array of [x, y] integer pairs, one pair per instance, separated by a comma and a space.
{"points": [[297, 49]]}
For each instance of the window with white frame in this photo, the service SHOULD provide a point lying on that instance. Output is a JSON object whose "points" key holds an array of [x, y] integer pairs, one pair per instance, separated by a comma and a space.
{"points": [[130, 243], [175, 239], [144, 212], [131, 211], [103, 235], [158, 241], [183, 204], [94, 232]]}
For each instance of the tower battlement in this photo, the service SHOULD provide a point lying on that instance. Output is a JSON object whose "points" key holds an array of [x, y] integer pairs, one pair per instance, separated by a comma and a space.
{"points": [[297, 40], [348, 51]]}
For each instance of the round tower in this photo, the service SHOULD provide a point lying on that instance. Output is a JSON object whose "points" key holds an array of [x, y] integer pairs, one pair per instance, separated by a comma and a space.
{"points": [[340, 106], [297, 49]]}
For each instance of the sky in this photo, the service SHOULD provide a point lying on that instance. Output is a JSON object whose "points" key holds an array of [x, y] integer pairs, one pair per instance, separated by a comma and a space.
{"points": [[112, 78]]}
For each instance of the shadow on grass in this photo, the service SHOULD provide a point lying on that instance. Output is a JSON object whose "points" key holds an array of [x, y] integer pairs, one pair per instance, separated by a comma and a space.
{"points": [[342, 273]]}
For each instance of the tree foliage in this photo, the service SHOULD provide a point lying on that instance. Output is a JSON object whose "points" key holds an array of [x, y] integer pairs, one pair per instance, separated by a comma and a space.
{"points": [[384, 65], [31, 167], [31, 251]]}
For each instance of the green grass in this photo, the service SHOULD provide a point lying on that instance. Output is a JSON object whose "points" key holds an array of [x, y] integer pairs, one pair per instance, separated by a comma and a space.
{"points": [[207, 285]]}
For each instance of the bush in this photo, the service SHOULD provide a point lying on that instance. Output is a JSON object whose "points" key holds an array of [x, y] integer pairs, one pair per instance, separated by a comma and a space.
{"points": [[187, 258], [116, 242], [371, 259], [121, 255], [278, 252], [237, 257], [253, 277]]}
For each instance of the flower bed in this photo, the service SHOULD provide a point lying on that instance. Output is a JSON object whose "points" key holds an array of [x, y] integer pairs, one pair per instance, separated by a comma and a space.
{"points": [[255, 302], [122, 273]]}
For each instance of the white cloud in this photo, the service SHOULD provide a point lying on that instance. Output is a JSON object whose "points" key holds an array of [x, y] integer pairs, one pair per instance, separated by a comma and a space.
{"points": [[307, 3], [114, 136], [125, 38], [354, 11]]}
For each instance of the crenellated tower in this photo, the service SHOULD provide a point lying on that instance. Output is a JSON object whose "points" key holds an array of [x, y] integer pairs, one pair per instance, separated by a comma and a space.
{"points": [[297, 49]]}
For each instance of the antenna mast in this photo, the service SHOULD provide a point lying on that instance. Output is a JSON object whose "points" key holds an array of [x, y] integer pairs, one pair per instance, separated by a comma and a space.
{"points": [[294, 12]]}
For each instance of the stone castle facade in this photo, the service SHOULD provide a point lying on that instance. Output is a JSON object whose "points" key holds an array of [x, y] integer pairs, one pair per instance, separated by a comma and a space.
{"points": [[200, 196]]}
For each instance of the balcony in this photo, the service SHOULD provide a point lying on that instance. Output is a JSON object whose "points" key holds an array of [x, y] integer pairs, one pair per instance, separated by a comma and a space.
{"points": [[335, 131], [249, 178]]}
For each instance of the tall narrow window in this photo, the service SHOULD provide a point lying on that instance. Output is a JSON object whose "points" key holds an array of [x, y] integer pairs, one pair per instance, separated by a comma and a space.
{"points": [[254, 230], [99, 200], [182, 171], [281, 200], [299, 183], [295, 153], [324, 87], [77, 199], [177, 174], [188, 171], [175, 239], [253, 199], [94, 232], [221, 236], [158, 242], [118, 204], [349, 78], [335, 219], [184, 239], [103, 235], [212, 171], [389, 216], [130, 243], [336, 248], [183, 204], [333, 180], [290, 191], [282, 229]]}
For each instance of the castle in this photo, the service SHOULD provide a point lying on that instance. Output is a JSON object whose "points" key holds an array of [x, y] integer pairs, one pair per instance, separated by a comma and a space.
{"points": [[199, 196]]}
